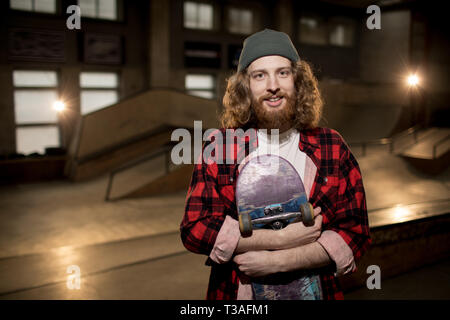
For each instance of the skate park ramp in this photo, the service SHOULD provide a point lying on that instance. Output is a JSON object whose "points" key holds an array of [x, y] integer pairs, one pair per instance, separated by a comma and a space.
{"points": [[391, 181], [151, 175], [434, 143], [363, 123], [362, 112], [108, 138], [432, 153]]}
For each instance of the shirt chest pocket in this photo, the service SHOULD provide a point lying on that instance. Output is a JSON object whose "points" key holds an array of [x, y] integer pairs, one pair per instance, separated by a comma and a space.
{"points": [[328, 187], [224, 180], [226, 186]]}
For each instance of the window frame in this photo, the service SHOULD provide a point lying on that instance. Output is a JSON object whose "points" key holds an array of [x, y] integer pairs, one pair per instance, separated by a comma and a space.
{"points": [[346, 22], [33, 8], [56, 88], [119, 12], [328, 22], [214, 22], [213, 89], [117, 89], [253, 12]]}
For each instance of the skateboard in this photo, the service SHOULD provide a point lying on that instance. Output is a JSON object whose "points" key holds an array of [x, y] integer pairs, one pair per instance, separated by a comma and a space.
{"points": [[271, 194]]}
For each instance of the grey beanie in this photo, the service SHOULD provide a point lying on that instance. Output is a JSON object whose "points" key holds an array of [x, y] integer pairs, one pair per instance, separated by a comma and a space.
{"points": [[266, 43]]}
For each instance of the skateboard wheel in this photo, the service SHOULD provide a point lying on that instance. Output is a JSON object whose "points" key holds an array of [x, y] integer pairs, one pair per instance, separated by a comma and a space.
{"points": [[245, 225], [307, 214]]}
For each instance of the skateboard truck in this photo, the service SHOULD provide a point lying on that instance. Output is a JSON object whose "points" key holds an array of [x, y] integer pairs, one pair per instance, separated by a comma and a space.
{"points": [[275, 216]]}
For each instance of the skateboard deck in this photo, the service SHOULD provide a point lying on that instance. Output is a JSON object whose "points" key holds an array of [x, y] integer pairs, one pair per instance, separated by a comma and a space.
{"points": [[268, 185]]}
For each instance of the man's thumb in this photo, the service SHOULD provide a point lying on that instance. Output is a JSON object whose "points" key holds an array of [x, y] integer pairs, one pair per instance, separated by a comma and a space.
{"points": [[317, 210]]}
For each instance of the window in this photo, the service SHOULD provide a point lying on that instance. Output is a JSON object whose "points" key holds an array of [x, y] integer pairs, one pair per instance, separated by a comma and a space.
{"points": [[318, 31], [35, 139], [100, 9], [240, 21], [98, 90], [341, 32], [201, 85], [198, 15], [35, 92], [45, 6], [313, 30]]}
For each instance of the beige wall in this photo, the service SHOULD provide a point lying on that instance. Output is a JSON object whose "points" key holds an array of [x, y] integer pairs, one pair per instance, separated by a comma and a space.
{"points": [[384, 54], [159, 43]]}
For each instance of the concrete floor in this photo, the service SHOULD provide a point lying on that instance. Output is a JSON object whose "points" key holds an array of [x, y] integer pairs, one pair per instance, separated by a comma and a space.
{"points": [[153, 267], [131, 249], [428, 283], [41, 216]]}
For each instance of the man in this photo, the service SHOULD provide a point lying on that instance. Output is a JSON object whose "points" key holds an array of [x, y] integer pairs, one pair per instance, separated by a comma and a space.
{"points": [[274, 89]]}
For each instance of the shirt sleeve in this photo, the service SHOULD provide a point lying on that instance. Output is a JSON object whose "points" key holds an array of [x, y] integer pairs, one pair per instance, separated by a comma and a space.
{"points": [[339, 252], [226, 241], [204, 210], [350, 220]]}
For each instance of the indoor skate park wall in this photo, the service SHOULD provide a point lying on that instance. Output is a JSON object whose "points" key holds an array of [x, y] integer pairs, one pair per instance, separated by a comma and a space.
{"points": [[377, 103]]}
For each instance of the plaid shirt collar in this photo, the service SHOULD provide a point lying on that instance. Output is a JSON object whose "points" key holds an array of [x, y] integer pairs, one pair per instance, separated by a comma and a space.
{"points": [[308, 143]]}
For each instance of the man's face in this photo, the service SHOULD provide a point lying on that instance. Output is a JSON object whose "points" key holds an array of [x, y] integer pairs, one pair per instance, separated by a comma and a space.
{"points": [[273, 92]]}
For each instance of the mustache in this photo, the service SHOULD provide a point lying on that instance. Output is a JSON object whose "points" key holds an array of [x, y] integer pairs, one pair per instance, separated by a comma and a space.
{"points": [[278, 94]]}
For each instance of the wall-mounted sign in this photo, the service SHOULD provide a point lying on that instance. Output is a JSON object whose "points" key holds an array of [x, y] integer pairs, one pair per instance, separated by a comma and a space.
{"points": [[201, 55], [102, 49], [36, 45]]}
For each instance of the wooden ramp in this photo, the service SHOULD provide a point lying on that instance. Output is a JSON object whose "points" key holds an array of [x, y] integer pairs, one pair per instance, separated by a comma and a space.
{"points": [[148, 179], [433, 144], [175, 181], [110, 137], [431, 153]]}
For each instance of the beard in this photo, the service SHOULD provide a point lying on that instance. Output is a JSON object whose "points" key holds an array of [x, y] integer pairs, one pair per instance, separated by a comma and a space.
{"points": [[277, 118]]}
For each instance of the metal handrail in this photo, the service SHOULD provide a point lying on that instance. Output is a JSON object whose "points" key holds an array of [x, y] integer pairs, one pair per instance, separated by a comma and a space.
{"points": [[412, 130], [364, 144], [163, 150], [438, 143], [389, 141], [159, 130]]}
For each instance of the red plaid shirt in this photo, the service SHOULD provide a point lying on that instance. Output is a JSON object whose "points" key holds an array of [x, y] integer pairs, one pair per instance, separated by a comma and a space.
{"points": [[337, 189]]}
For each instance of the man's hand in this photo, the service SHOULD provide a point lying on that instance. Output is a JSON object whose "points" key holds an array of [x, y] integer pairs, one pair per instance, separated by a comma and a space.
{"points": [[256, 263], [294, 235], [297, 234], [262, 263]]}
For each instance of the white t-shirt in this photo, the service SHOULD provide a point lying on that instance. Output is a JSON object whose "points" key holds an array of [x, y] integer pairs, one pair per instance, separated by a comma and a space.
{"points": [[288, 148]]}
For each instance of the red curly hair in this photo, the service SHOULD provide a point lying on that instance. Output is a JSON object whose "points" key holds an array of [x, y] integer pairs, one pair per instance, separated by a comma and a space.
{"points": [[237, 101]]}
